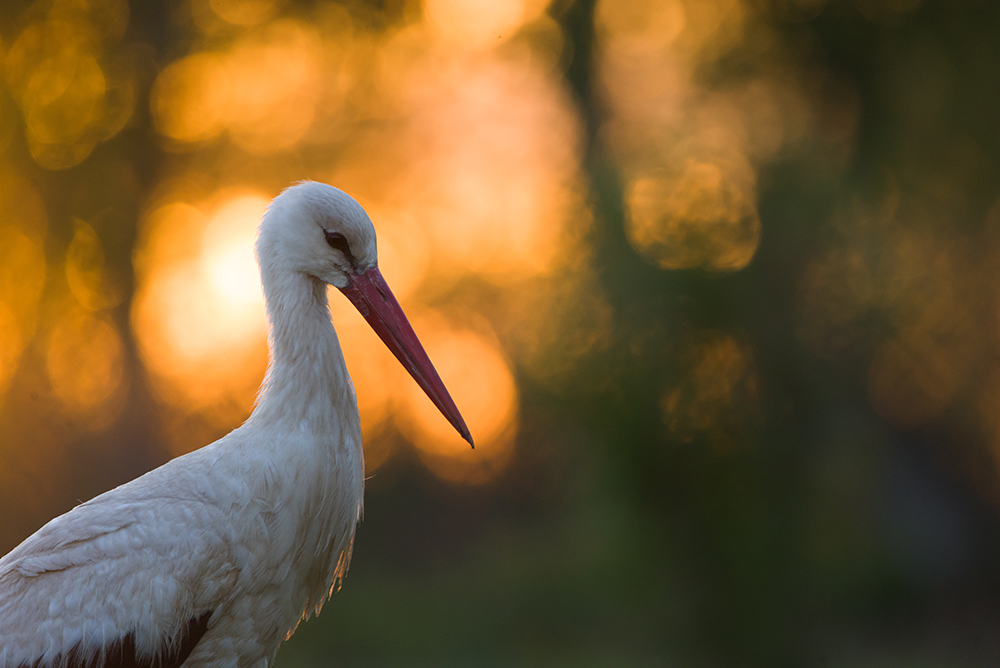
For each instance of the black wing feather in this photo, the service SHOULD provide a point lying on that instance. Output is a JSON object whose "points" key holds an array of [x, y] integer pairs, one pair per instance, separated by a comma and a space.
{"points": [[121, 652]]}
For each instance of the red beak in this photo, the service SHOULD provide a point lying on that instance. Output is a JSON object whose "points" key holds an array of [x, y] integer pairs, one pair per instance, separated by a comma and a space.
{"points": [[371, 295]]}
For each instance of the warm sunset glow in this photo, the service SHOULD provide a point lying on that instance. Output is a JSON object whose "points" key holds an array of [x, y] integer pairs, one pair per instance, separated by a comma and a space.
{"points": [[641, 26], [11, 345], [86, 273], [479, 179], [682, 144], [475, 24], [22, 269], [477, 375], [715, 285], [645, 80], [85, 366], [274, 85], [198, 315], [227, 250], [188, 98], [499, 203], [69, 102], [712, 26], [63, 102], [474, 174], [263, 91], [404, 251], [706, 216], [245, 12], [375, 373]]}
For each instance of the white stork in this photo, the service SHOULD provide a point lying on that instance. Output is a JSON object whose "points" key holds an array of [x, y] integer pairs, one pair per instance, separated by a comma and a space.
{"points": [[213, 558]]}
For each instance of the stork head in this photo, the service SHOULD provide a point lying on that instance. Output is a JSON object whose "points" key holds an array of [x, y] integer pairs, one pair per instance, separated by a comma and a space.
{"points": [[321, 231]]}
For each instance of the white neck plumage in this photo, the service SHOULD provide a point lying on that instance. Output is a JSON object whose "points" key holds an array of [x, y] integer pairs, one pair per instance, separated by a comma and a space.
{"points": [[307, 377]]}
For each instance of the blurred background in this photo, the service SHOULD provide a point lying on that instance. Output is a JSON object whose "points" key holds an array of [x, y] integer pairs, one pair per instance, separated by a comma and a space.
{"points": [[716, 284]]}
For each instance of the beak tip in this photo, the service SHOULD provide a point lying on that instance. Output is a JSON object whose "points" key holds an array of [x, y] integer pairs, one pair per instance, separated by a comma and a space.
{"points": [[373, 298]]}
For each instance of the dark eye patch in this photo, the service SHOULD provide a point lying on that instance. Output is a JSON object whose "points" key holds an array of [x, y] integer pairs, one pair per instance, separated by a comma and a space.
{"points": [[338, 241]]}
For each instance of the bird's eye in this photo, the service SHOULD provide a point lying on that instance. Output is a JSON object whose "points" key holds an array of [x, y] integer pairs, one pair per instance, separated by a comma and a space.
{"points": [[339, 242]]}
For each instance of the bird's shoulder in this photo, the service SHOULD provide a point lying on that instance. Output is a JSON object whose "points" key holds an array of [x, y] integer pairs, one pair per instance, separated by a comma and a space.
{"points": [[153, 513], [141, 561]]}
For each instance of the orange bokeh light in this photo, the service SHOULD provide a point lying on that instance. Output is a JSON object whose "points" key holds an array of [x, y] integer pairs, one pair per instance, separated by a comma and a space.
{"points": [[85, 363], [263, 91], [11, 344], [640, 26], [198, 315], [682, 145], [474, 24], [23, 269], [245, 12], [490, 162], [478, 376], [472, 171], [227, 250], [188, 98], [705, 216], [374, 372], [70, 100], [86, 272]]}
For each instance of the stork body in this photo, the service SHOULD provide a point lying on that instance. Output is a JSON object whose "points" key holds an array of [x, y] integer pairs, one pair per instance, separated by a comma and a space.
{"points": [[213, 558]]}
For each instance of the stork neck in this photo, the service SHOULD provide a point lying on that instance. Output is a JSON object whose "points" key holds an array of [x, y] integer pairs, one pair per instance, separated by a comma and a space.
{"points": [[307, 377]]}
